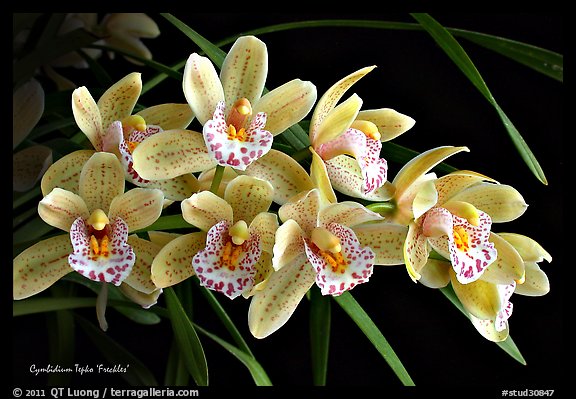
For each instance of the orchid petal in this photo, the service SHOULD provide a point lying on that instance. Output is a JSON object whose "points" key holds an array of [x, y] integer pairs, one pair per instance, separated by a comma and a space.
{"points": [[527, 248], [419, 166], [60, 208], [329, 99], [347, 213], [118, 101], [409, 207], [138, 207], [426, 197], [129, 44], [416, 251], [286, 105], [27, 109], [264, 225], [385, 239], [29, 165], [337, 121], [346, 177], [503, 203], [101, 180], [285, 174], [264, 270], [206, 178], [236, 153], [437, 222], [40, 266], [162, 238], [487, 329], [173, 264], [508, 266], [170, 154], [390, 123], [112, 267], [351, 142], [435, 274], [142, 299], [358, 263], [289, 244], [479, 298], [209, 263], [244, 70], [202, 87], [88, 116], [140, 277], [536, 282], [319, 175], [271, 307], [205, 209], [168, 116], [65, 172], [134, 24], [304, 210], [176, 189], [455, 182], [506, 291], [248, 196]]}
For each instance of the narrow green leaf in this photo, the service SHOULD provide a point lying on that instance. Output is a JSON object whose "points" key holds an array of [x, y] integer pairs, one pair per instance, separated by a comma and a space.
{"points": [[50, 127], [188, 341], [102, 76], [51, 28], [32, 230], [258, 373], [507, 345], [176, 373], [356, 313], [61, 336], [137, 374], [457, 54], [320, 306], [168, 222], [156, 80], [393, 152], [19, 199]]}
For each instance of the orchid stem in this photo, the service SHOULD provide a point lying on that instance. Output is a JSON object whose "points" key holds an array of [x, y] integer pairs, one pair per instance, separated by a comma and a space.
{"points": [[383, 208], [217, 179], [101, 303]]}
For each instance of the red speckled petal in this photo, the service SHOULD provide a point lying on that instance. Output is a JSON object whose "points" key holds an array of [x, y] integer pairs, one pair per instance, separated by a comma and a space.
{"points": [[248, 196], [65, 172], [416, 251], [505, 312], [118, 101], [140, 279], [60, 208], [202, 87], [139, 207], [215, 275], [102, 179], [114, 267], [87, 116], [304, 211]]}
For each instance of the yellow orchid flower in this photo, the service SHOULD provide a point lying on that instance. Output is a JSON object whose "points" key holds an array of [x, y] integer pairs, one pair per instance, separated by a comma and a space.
{"points": [[111, 127], [333, 245], [233, 252], [349, 141], [98, 215], [238, 122]]}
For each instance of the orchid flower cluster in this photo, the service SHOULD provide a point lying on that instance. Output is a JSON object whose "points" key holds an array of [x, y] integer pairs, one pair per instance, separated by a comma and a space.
{"points": [[264, 226]]}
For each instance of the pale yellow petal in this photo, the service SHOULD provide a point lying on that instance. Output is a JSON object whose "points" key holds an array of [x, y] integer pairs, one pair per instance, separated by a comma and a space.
{"points": [[536, 282], [329, 99], [426, 197], [347, 213], [289, 244], [135, 24], [529, 249], [304, 210], [118, 101], [27, 109], [265, 225], [65, 172], [435, 274], [168, 116], [202, 87], [60, 208], [390, 123], [337, 121], [320, 177], [142, 299], [88, 116], [173, 263], [138, 207], [101, 180], [508, 266], [480, 298], [487, 330], [29, 165], [264, 270], [248, 196], [176, 189], [162, 238], [205, 209], [502, 202], [205, 179], [286, 105], [287, 176], [416, 251], [140, 276], [271, 307], [170, 154], [244, 70], [451, 184], [41, 265], [386, 240]]}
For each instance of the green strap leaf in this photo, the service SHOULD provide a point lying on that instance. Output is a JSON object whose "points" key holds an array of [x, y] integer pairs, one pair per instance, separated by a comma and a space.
{"points": [[355, 311], [187, 339], [176, 373], [61, 335], [168, 222], [320, 307], [137, 374], [453, 49]]}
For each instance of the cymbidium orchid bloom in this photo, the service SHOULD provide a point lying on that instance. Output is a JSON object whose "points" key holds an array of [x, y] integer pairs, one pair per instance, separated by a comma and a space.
{"points": [[98, 215], [233, 254], [346, 142], [331, 245], [238, 122], [111, 127]]}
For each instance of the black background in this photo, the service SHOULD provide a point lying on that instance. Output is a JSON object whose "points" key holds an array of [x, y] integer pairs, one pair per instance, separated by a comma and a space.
{"points": [[437, 345]]}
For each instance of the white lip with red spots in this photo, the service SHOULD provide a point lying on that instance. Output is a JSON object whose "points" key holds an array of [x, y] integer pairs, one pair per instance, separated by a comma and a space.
{"points": [[126, 159], [112, 267]]}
